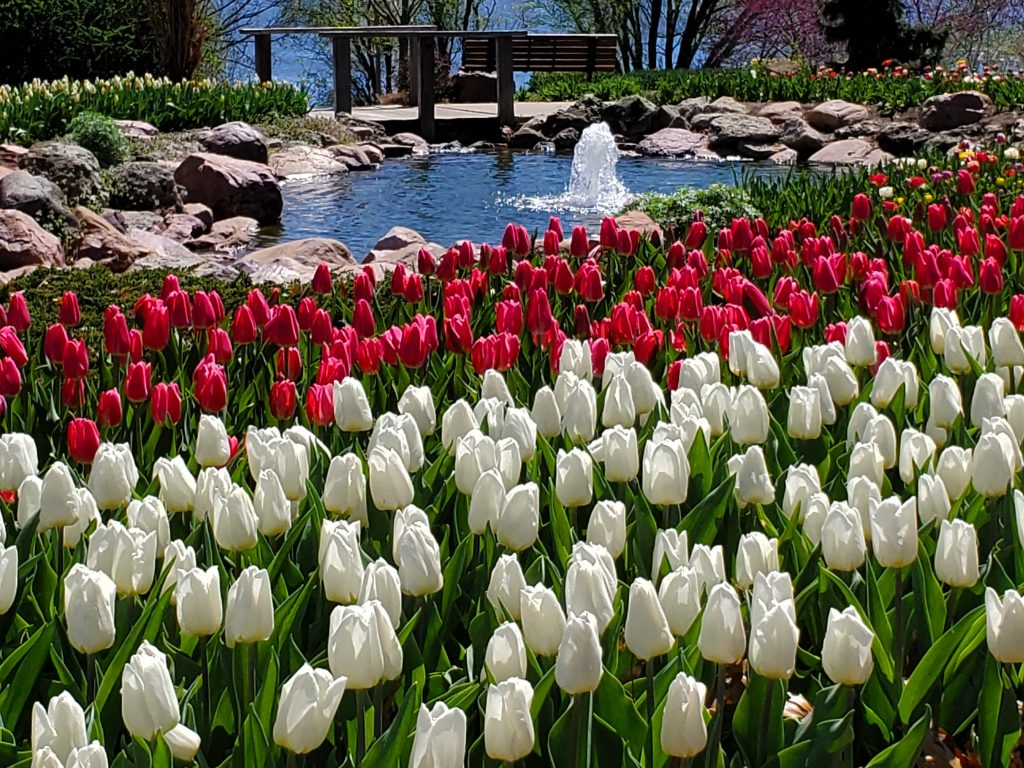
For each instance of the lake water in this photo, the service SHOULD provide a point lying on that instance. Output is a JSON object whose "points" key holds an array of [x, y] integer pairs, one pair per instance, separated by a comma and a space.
{"points": [[448, 197]]}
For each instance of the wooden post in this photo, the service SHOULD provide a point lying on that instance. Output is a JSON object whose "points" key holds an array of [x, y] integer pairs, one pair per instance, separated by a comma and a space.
{"points": [[506, 81], [426, 89], [414, 71], [342, 50], [264, 68]]}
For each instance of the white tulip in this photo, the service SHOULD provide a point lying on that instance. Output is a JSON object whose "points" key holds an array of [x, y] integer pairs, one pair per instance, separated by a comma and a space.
{"points": [[440, 739], [390, 484], [542, 618], [881, 431], [506, 585], [683, 731], [234, 521], [992, 470], [619, 409], [804, 421], [212, 483], [709, 564], [309, 701], [88, 513], [945, 400], [574, 478], [987, 400], [802, 482], [753, 483], [418, 557], [933, 503], [866, 460], [961, 345], [939, 323], [587, 591], [212, 446], [249, 617], [362, 645], [505, 656], [546, 412], [955, 467], [679, 595], [19, 459], [150, 515], [493, 385], [846, 651], [508, 725], [748, 417], [616, 449], [198, 600], [956, 554], [1004, 625], [756, 554], [521, 427], [647, 632], [578, 666], [351, 406], [859, 347], [418, 402], [578, 409], [722, 638], [666, 477], [486, 501], [894, 532], [272, 508], [8, 577], [58, 499], [607, 526], [1007, 349], [177, 486], [382, 583], [340, 560], [519, 520], [917, 453], [89, 598], [30, 494], [891, 375], [149, 704], [773, 642], [672, 546], [60, 726], [842, 538], [90, 756], [345, 488]]}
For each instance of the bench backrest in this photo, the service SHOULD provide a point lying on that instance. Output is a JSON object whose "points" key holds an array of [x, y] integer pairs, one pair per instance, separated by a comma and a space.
{"points": [[546, 53]]}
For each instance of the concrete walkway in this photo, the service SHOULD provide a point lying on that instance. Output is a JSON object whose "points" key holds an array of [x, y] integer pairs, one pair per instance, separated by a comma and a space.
{"points": [[525, 110]]}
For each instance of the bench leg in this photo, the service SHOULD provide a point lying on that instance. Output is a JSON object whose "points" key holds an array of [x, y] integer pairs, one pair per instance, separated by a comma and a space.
{"points": [[426, 87], [414, 72], [506, 82], [342, 54], [261, 57]]}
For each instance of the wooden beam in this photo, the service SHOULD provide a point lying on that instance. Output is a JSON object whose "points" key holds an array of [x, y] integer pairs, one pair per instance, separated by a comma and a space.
{"points": [[414, 73], [264, 68], [341, 48], [506, 81], [426, 89]]}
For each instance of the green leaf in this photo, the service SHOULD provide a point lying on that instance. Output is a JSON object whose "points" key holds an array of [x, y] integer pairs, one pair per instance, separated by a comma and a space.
{"points": [[613, 706], [757, 721], [998, 719], [904, 753], [20, 672], [392, 748]]}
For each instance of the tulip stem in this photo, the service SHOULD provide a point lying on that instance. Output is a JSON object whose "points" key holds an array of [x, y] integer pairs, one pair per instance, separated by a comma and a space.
{"points": [[766, 722], [897, 644], [205, 676], [577, 729], [360, 727], [90, 677], [650, 711], [378, 710]]}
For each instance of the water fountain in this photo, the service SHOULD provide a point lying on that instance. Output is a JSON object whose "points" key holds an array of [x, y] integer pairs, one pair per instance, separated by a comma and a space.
{"points": [[592, 182]]}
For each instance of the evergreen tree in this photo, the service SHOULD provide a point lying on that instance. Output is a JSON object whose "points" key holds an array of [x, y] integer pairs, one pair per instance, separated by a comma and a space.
{"points": [[875, 30]]}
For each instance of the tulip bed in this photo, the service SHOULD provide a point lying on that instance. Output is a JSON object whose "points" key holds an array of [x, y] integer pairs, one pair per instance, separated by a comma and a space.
{"points": [[747, 499]]}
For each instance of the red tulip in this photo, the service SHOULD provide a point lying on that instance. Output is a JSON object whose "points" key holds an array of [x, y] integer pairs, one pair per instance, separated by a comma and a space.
{"points": [[69, 315], [910, 292], [12, 346], [458, 335], [243, 326], [369, 354], [508, 317], [579, 244], [364, 285], [990, 276], [413, 289], [890, 315], [588, 282], [599, 349], [1017, 233], [83, 440], [508, 239], [555, 225], [218, 343], [674, 369], [691, 304], [170, 285], [363, 320], [964, 182], [289, 364], [282, 328], [320, 404], [897, 228], [804, 308], [322, 330], [76, 359], [414, 348], [306, 313], [835, 332], [497, 261], [666, 305], [135, 345], [10, 377], [115, 333], [944, 294], [580, 318], [138, 380], [609, 237], [283, 400], [204, 315], [156, 330], [72, 393], [179, 309], [760, 262], [165, 403], [1017, 311], [108, 409], [523, 245], [425, 263], [938, 217], [696, 235], [552, 243], [995, 249], [322, 282], [17, 312], [861, 207], [626, 245], [539, 318], [646, 345], [645, 282], [257, 304]]}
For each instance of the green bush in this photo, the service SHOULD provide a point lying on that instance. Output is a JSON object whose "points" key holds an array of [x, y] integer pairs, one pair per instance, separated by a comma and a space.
{"points": [[719, 203], [101, 136]]}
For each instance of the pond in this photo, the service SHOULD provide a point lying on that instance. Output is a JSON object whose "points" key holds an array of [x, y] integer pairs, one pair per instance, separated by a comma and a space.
{"points": [[448, 197]]}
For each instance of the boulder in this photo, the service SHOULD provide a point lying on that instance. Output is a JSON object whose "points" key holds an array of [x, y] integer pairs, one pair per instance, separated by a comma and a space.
{"points": [[849, 152], [725, 104], [226, 235], [148, 221], [952, 110], [72, 168], [759, 151], [902, 139], [798, 135], [631, 116], [574, 117], [199, 266], [526, 138], [9, 277], [396, 239], [231, 187], [181, 227], [566, 139], [372, 151], [143, 186], [731, 130], [409, 256], [295, 261], [355, 157], [475, 87], [836, 113], [675, 142], [781, 111], [417, 144], [10, 155], [38, 197], [784, 157], [101, 241], [238, 140], [395, 150], [24, 243], [137, 129], [304, 160], [201, 212], [640, 221], [695, 106], [159, 244]]}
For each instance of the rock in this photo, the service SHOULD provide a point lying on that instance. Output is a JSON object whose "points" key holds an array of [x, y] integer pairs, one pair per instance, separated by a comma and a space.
{"points": [[372, 152], [695, 106], [231, 187], [566, 139], [849, 152], [148, 221], [475, 87], [418, 144], [782, 111], [759, 151], [159, 244], [137, 129], [725, 104], [72, 168], [201, 212], [200, 266], [38, 197], [143, 186], [675, 142], [640, 221], [304, 160], [785, 157], [836, 113], [226, 235], [395, 150], [733, 129], [7, 278], [409, 256], [526, 138], [902, 139], [397, 239], [355, 157], [667, 116], [181, 227], [482, 146], [238, 140], [100, 241], [942, 142], [10, 155], [952, 110], [798, 135], [631, 116], [24, 243], [293, 261]]}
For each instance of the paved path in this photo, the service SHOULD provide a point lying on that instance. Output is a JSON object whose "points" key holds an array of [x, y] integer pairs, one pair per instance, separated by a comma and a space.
{"points": [[524, 109]]}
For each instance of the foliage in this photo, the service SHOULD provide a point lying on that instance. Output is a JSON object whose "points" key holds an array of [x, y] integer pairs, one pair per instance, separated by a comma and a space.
{"points": [[38, 110], [892, 89], [100, 135], [180, 29], [719, 204], [875, 31]]}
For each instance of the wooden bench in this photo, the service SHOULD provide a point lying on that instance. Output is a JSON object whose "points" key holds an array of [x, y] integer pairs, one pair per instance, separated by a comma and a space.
{"points": [[546, 53]]}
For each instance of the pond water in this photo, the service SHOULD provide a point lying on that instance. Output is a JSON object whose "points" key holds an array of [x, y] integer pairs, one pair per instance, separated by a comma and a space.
{"points": [[448, 197]]}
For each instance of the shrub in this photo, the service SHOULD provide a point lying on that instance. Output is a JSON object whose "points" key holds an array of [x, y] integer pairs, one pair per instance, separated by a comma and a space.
{"points": [[101, 136], [719, 203]]}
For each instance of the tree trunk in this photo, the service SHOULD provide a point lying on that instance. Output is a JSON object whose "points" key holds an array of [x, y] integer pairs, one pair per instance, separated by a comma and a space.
{"points": [[652, 34], [693, 33]]}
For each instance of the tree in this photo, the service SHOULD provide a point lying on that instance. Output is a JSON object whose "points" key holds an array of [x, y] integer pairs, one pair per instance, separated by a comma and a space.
{"points": [[875, 30]]}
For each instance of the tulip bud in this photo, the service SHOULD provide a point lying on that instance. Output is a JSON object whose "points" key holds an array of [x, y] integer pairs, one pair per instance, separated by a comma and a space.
{"points": [[802, 482], [804, 422], [753, 483], [860, 342], [945, 401], [149, 704], [1004, 625], [249, 617], [178, 559], [683, 731], [234, 521], [345, 488], [440, 738], [748, 417], [89, 598], [588, 590], [518, 522], [992, 470], [309, 701], [542, 618], [722, 638], [417, 554], [340, 560], [894, 532], [508, 724], [574, 479], [607, 526], [199, 606], [756, 554], [58, 500], [506, 653], [933, 503], [1004, 339], [212, 449], [390, 484], [457, 422], [351, 407], [961, 344], [956, 554], [773, 642], [578, 666], [177, 486], [382, 583], [648, 633], [842, 538], [150, 516], [846, 651], [418, 402], [666, 476], [59, 727], [362, 645], [506, 584], [616, 448]]}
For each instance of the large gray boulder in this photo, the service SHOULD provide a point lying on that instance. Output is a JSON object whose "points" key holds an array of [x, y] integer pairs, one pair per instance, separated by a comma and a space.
{"points": [[953, 110], [697, 105], [836, 113], [731, 130], [303, 160], [143, 186], [24, 243], [902, 139], [397, 239], [724, 104], [72, 168], [630, 116], [295, 261], [799, 136], [101, 241], [849, 152], [38, 197], [675, 142], [231, 187], [782, 112], [239, 140]]}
